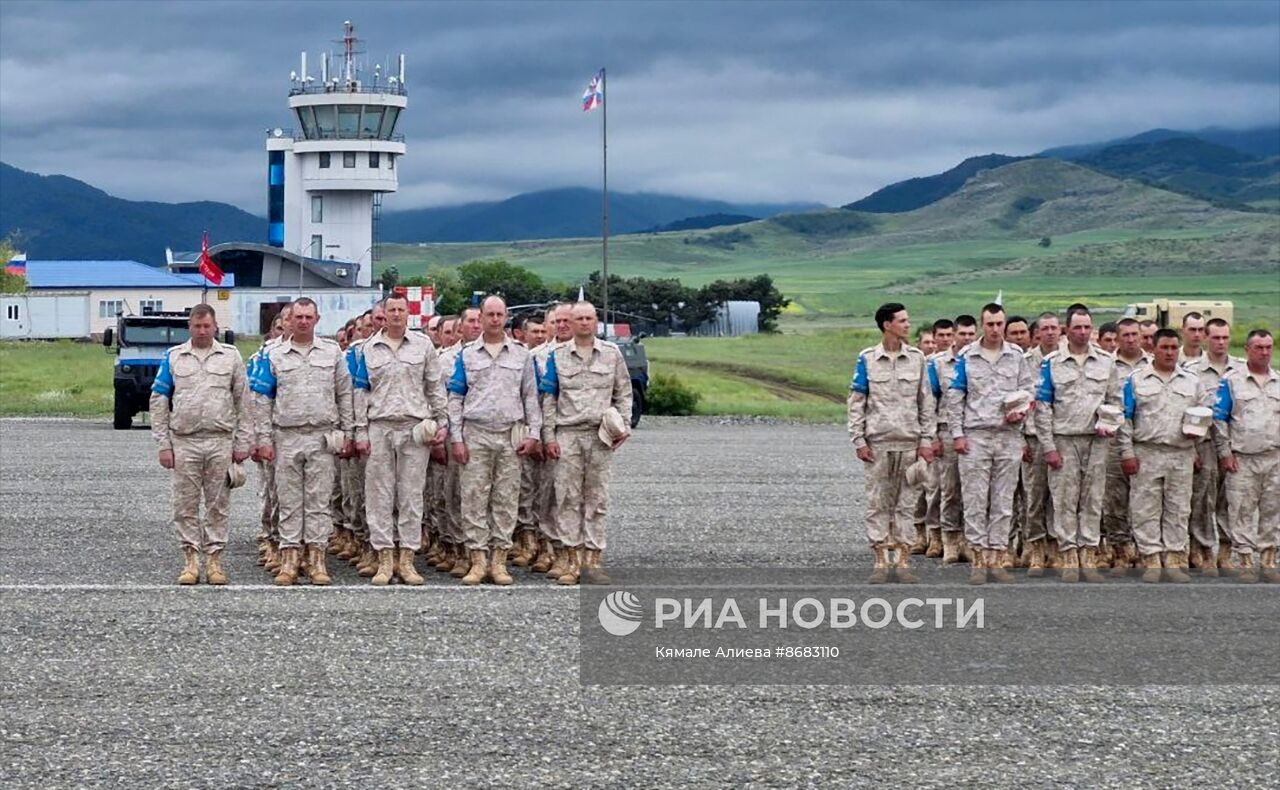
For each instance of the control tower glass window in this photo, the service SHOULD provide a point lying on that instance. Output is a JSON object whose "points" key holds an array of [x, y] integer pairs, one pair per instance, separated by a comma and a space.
{"points": [[348, 122], [370, 122], [326, 122], [308, 119], [389, 123]]}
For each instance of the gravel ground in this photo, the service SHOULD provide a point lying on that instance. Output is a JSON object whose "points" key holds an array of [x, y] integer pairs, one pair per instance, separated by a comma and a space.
{"points": [[137, 683]]}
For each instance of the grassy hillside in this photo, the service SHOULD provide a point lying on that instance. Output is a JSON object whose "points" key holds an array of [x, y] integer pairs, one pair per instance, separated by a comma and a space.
{"points": [[1111, 242]]}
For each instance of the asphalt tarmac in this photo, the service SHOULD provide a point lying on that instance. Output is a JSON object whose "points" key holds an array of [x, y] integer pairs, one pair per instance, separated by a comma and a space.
{"points": [[110, 675]]}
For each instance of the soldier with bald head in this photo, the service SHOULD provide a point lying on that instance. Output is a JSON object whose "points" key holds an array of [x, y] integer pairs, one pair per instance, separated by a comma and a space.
{"points": [[586, 410], [494, 420]]}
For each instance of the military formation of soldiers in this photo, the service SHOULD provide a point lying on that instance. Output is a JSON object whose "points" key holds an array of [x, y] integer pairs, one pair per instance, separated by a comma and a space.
{"points": [[1007, 443], [477, 443]]}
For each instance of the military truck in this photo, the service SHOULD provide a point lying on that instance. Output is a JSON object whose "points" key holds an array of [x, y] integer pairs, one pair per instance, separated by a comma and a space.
{"points": [[1169, 312], [140, 342]]}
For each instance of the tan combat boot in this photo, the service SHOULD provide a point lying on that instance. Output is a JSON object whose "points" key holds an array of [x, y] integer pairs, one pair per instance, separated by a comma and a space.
{"points": [[498, 568], [1052, 556], [445, 563], [934, 549], [921, 542], [1175, 563], [1035, 558], [316, 565], [1269, 573], [559, 563], [902, 567], [592, 571], [950, 548], [351, 548], [573, 568], [272, 561], [978, 574], [1248, 573], [994, 560], [1126, 557], [288, 567], [1151, 568], [1089, 565], [213, 572], [262, 552], [521, 556], [190, 567], [386, 567], [461, 561], [1227, 564], [546, 556], [1070, 565], [478, 567], [408, 572], [367, 565], [879, 566], [1008, 558]]}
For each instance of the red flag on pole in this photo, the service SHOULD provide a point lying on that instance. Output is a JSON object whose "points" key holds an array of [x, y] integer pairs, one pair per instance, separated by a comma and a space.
{"points": [[208, 268]]}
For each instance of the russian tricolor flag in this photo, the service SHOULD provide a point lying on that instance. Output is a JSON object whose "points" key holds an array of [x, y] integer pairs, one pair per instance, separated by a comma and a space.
{"points": [[594, 96]]}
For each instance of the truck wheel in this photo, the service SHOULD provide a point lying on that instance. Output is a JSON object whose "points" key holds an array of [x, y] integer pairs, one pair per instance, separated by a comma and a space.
{"points": [[637, 405], [123, 416]]}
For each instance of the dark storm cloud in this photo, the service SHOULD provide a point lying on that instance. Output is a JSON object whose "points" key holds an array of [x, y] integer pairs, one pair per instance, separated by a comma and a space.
{"points": [[749, 101]]}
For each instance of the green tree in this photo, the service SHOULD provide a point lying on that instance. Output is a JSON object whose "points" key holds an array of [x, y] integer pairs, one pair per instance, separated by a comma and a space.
{"points": [[515, 284], [755, 289], [389, 279], [10, 283]]}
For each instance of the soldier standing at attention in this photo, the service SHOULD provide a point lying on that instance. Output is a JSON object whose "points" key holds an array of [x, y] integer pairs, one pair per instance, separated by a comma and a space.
{"points": [[928, 346], [891, 424], [1074, 384], [1041, 549], [950, 499], [552, 560], [303, 411], [1193, 334], [1210, 524], [397, 389], [494, 421], [1155, 448], [1115, 511], [1247, 437], [987, 403], [526, 538], [586, 411], [201, 429]]}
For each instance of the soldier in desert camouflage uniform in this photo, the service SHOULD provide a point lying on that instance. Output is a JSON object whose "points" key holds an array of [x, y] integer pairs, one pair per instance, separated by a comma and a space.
{"points": [[892, 419], [198, 423], [1246, 434]]}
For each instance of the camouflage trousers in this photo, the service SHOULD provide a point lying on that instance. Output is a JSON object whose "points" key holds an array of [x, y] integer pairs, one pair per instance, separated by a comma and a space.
{"points": [[1209, 517], [1116, 525], [433, 506], [1077, 490], [304, 481], [451, 514], [582, 488], [950, 499], [890, 499], [544, 501], [988, 476], [336, 513], [1253, 500], [1035, 485], [353, 499], [269, 512], [530, 472], [394, 478], [490, 482], [932, 496], [1160, 497], [200, 466]]}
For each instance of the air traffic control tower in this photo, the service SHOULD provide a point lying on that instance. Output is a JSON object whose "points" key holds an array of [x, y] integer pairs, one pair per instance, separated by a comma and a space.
{"points": [[326, 178]]}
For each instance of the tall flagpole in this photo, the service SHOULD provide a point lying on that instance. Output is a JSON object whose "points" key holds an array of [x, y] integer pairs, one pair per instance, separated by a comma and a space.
{"points": [[604, 195]]}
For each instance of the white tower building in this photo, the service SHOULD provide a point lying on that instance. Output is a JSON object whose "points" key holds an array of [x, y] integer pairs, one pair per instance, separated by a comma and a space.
{"points": [[326, 178]]}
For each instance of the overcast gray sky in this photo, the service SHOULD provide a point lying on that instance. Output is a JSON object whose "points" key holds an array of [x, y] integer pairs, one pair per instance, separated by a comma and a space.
{"points": [[739, 101]]}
